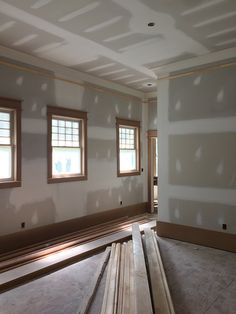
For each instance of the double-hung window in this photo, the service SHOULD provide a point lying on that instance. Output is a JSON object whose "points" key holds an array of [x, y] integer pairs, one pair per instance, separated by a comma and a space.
{"points": [[128, 147], [10, 143], [67, 145]]}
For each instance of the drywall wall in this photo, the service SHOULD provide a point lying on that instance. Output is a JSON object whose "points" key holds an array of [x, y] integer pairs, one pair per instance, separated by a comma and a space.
{"points": [[37, 203], [152, 114], [197, 155]]}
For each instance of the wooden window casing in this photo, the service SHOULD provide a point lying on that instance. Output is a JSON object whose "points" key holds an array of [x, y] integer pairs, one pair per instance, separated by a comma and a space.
{"points": [[68, 116], [128, 143]]}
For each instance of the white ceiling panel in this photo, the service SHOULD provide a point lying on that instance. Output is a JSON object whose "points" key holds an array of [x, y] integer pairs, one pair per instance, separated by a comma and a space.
{"points": [[111, 38]]}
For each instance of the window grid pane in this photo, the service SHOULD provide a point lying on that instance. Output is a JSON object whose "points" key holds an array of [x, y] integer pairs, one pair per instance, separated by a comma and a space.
{"points": [[127, 138], [65, 133], [5, 128]]}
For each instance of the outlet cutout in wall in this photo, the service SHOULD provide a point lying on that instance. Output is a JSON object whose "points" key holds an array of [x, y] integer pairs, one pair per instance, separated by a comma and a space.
{"points": [[142, 169], [224, 226], [23, 225], [121, 202]]}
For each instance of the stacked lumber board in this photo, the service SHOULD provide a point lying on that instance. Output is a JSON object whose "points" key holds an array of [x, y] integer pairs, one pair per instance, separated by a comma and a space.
{"points": [[90, 293], [48, 263], [35, 252], [132, 285], [161, 297]]}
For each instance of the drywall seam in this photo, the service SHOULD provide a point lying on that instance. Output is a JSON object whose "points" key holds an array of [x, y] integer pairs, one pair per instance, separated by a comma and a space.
{"points": [[197, 71], [213, 57], [84, 84]]}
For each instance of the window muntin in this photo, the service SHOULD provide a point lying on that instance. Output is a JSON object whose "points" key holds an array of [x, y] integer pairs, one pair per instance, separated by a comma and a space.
{"points": [[66, 146], [10, 159], [128, 147], [6, 149], [127, 144], [67, 151]]}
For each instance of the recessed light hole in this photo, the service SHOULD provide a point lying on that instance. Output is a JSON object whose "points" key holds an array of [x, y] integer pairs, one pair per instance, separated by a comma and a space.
{"points": [[151, 24]]}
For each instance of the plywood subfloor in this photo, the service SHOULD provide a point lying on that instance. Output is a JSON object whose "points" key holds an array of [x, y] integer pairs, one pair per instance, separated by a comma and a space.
{"points": [[201, 280], [58, 293]]}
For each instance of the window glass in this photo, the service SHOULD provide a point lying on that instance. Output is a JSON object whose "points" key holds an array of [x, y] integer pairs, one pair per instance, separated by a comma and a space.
{"points": [[128, 150], [10, 146], [6, 160], [67, 145], [127, 160], [66, 160]]}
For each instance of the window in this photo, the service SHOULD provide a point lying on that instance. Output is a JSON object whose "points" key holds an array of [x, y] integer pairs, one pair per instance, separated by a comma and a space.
{"points": [[67, 145], [128, 147], [10, 145]]}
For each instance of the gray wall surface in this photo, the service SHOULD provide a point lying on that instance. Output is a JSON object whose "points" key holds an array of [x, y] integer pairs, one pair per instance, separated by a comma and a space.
{"points": [[152, 115], [38, 203], [197, 154]]}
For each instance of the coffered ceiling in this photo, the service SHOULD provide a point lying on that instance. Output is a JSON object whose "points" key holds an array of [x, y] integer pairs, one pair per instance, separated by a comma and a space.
{"points": [[113, 39]]}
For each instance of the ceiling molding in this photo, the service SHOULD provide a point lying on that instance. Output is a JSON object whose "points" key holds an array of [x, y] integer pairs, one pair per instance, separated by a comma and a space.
{"points": [[198, 70], [67, 74], [207, 59]]}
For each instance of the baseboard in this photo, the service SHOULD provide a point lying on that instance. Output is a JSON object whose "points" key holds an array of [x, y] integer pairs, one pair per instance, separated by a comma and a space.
{"points": [[214, 239], [25, 238]]}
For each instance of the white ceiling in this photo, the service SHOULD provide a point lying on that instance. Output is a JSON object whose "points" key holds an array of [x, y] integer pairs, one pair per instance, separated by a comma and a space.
{"points": [[111, 39]]}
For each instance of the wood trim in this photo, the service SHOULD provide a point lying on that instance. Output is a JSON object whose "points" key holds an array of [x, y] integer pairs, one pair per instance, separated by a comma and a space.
{"points": [[25, 238], [45, 266], [152, 100], [40, 250], [162, 302], [82, 83], [66, 112], [215, 239], [142, 291], [71, 113], [197, 71], [136, 124], [93, 286], [150, 135], [67, 179], [127, 122]]}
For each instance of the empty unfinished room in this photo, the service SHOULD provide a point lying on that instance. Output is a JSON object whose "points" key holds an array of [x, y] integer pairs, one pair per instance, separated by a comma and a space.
{"points": [[117, 157]]}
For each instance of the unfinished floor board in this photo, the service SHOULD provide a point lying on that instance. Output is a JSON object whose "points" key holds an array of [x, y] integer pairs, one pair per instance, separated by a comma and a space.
{"points": [[162, 301], [122, 278], [59, 292], [87, 299], [106, 292], [126, 284], [142, 291], [197, 285], [64, 258], [132, 299], [33, 253]]}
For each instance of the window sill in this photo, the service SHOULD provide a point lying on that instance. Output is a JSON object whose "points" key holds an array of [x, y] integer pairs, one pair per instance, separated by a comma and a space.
{"points": [[10, 184], [67, 179], [127, 174]]}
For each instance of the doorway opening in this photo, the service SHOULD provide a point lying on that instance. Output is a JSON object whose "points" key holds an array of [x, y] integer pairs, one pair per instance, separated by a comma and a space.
{"points": [[153, 171]]}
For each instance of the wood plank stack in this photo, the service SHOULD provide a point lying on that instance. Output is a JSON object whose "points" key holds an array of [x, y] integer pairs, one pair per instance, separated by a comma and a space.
{"points": [[119, 290], [49, 263], [136, 281], [161, 297], [35, 252]]}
